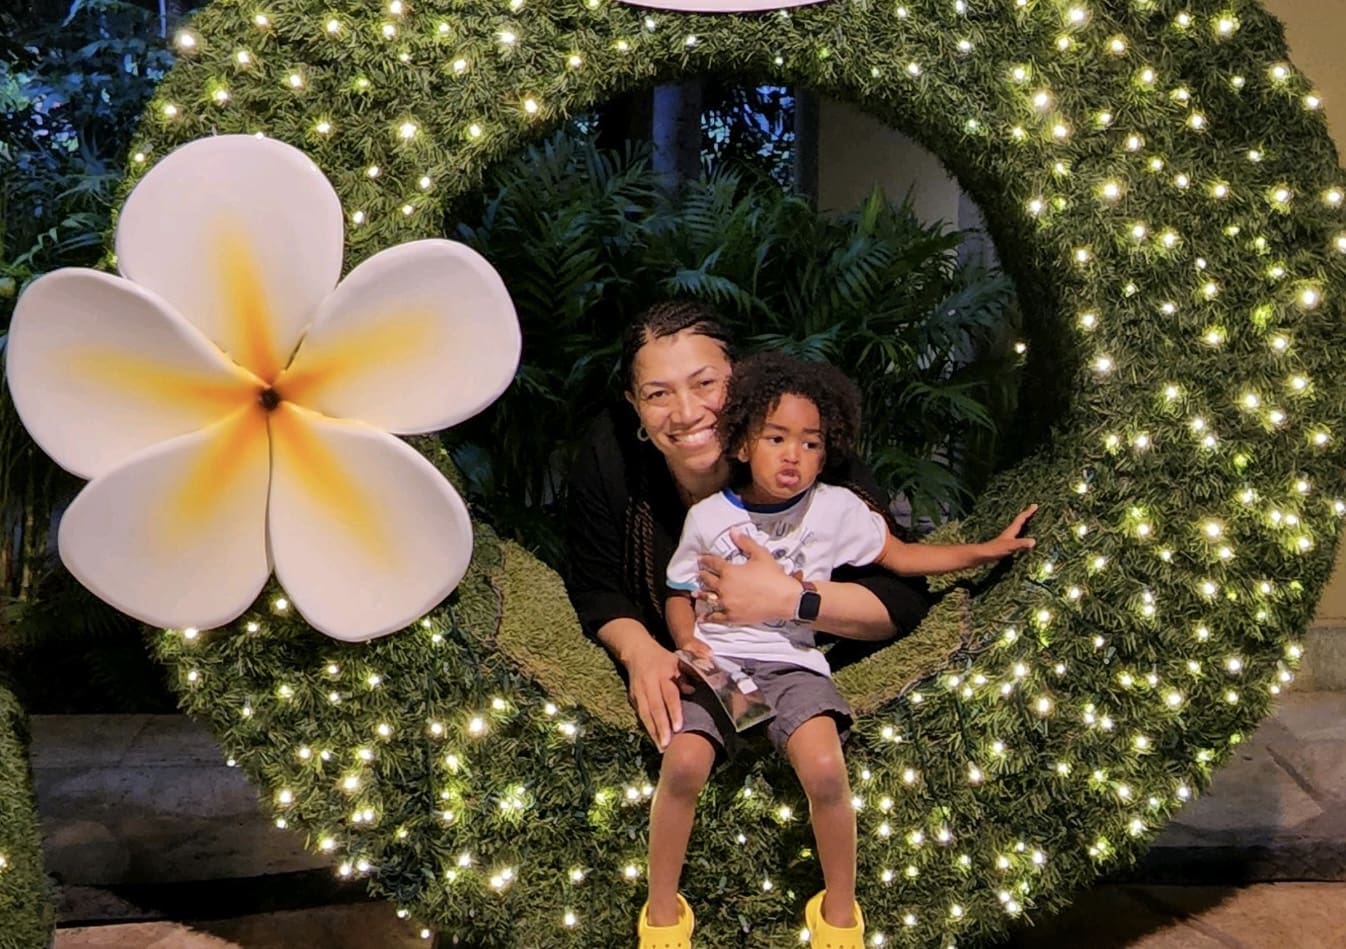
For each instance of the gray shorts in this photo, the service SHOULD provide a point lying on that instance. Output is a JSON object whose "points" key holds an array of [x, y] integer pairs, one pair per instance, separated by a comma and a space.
{"points": [[795, 693]]}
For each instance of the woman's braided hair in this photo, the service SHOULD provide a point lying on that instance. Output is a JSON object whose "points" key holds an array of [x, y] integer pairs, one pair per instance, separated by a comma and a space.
{"points": [[658, 321], [669, 319]]}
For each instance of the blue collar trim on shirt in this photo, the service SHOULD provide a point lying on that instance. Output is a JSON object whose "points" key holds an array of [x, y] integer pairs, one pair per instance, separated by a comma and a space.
{"points": [[738, 502]]}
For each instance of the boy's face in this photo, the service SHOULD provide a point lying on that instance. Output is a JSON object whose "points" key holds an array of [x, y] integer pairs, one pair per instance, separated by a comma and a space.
{"points": [[786, 453]]}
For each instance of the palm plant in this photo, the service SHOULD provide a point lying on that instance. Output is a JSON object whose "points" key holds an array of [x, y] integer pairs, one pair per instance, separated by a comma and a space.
{"points": [[878, 293], [562, 224], [584, 239], [71, 92]]}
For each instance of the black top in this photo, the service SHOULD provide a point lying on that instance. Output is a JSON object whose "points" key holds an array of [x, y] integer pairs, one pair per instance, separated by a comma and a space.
{"points": [[619, 549]]}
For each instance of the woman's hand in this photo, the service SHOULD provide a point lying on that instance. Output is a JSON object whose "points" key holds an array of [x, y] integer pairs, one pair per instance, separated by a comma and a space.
{"points": [[652, 675], [744, 594]]}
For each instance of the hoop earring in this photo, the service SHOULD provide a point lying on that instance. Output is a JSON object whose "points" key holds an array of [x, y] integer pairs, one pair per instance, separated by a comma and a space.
{"points": [[641, 434]]}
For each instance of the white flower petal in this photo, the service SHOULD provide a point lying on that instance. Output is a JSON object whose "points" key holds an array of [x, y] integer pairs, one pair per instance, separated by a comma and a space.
{"points": [[177, 536], [366, 535], [415, 339], [101, 369], [242, 236]]}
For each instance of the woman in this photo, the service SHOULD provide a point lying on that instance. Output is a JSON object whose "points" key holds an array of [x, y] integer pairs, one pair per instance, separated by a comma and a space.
{"points": [[631, 485]]}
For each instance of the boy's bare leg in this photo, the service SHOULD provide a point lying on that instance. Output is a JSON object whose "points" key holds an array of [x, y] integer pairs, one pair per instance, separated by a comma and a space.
{"points": [[682, 774], [815, 752]]}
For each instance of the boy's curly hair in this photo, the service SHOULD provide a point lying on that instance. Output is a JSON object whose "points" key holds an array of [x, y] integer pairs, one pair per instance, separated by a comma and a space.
{"points": [[756, 387]]}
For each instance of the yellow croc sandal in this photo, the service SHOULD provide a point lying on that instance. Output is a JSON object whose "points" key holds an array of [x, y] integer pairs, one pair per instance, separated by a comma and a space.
{"points": [[677, 936], [823, 935]]}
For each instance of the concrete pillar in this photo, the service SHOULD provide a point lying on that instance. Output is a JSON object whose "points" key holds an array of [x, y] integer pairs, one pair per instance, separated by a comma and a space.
{"points": [[676, 132]]}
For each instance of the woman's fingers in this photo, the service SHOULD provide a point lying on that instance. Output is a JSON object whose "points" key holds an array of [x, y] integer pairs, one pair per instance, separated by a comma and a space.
{"points": [[653, 693], [708, 570], [749, 546], [637, 697], [755, 591], [656, 718], [711, 564], [672, 701]]}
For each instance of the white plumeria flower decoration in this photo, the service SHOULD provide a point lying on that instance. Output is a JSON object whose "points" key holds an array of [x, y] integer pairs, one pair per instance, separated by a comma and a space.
{"points": [[231, 404]]}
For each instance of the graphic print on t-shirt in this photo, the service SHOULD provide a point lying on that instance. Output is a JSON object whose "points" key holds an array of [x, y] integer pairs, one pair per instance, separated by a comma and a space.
{"points": [[824, 527], [781, 536]]}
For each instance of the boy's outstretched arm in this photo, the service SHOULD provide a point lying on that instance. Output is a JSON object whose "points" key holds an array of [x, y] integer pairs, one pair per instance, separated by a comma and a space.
{"points": [[911, 560]]}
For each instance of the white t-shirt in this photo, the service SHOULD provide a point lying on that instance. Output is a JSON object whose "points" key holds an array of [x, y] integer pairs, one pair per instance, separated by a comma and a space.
{"points": [[822, 528]]}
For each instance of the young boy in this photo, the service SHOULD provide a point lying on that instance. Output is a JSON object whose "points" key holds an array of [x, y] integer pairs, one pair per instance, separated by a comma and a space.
{"points": [[782, 421]]}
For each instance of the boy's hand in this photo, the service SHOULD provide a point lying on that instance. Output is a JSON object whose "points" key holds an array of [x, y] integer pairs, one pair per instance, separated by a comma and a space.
{"points": [[701, 652], [1008, 541]]}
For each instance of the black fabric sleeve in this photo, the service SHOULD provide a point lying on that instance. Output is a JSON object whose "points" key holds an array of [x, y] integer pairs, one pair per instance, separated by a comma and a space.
{"points": [[594, 526], [907, 599]]}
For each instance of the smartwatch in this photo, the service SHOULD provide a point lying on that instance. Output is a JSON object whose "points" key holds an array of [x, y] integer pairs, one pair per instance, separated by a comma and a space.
{"points": [[810, 602]]}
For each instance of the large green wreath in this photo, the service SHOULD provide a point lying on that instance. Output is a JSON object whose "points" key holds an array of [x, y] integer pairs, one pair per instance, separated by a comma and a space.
{"points": [[1160, 183]]}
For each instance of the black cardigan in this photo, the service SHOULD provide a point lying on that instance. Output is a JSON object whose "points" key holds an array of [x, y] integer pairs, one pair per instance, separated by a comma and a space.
{"points": [[613, 470]]}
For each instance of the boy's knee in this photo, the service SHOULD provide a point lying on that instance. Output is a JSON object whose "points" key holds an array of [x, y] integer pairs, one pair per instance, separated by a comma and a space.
{"points": [[684, 770], [825, 781]]}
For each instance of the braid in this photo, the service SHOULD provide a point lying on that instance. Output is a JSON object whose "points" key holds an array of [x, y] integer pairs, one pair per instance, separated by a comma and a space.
{"points": [[638, 555], [668, 319]]}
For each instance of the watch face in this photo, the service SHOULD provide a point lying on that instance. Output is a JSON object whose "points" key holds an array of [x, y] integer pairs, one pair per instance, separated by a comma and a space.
{"points": [[809, 604]]}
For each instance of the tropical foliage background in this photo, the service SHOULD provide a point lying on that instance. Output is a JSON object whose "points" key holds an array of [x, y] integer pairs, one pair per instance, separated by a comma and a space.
{"points": [[73, 81], [586, 238]]}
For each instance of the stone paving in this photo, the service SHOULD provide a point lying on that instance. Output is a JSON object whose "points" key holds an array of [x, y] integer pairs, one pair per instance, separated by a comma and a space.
{"points": [[144, 804], [1262, 916]]}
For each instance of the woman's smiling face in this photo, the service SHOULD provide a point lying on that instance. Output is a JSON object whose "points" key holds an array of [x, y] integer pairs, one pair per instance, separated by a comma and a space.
{"points": [[678, 387]]}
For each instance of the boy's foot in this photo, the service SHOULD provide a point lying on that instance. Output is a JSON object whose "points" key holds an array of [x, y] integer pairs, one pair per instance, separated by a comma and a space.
{"points": [[823, 935], [676, 936]]}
